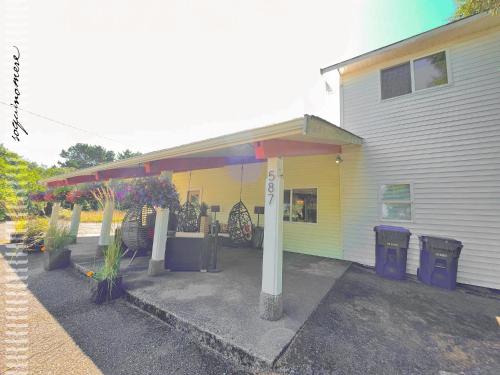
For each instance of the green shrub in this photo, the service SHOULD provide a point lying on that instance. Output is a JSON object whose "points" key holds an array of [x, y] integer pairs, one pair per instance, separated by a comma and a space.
{"points": [[35, 227]]}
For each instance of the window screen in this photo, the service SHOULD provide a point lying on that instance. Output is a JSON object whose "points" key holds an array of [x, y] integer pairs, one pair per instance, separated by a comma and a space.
{"points": [[396, 81], [430, 71], [396, 202]]}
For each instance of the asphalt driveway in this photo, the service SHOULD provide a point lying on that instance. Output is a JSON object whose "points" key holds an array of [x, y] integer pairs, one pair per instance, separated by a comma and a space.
{"points": [[370, 325], [364, 325]]}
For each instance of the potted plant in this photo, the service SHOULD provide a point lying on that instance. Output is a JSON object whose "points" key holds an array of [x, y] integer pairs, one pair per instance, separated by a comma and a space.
{"points": [[56, 254], [148, 191], [204, 219], [36, 227], [108, 279]]}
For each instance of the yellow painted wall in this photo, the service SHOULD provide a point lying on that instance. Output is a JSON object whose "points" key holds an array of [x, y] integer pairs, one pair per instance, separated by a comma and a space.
{"points": [[221, 186], [321, 238]]}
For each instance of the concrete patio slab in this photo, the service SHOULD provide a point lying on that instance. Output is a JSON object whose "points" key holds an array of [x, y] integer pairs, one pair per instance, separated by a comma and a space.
{"points": [[222, 309]]}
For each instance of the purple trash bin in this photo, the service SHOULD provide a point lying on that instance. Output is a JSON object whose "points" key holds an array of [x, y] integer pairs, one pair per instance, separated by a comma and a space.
{"points": [[391, 251], [439, 261]]}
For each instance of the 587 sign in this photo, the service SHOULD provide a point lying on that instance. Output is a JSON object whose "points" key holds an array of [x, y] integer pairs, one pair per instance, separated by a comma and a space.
{"points": [[271, 179]]}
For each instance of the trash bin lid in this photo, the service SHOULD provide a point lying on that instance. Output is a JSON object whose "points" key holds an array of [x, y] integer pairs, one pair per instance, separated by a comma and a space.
{"points": [[389, 228], [440, 239]]}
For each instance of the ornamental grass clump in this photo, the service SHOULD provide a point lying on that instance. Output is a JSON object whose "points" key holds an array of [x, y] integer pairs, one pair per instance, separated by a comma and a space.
{"points": [[57, 238], [109, 280], [112, 258], [55, 242]]}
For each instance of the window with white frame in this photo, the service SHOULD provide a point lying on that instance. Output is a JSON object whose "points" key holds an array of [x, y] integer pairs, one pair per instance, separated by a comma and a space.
{"points": [[301, 205], [396, 202], [414, 75]]}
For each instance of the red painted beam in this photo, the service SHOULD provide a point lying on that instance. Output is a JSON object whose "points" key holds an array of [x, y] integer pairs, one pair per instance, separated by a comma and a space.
{"points": [[191, 164], [81, 179], [57, 183], [157, 166], [282, 147], [131, 172]]}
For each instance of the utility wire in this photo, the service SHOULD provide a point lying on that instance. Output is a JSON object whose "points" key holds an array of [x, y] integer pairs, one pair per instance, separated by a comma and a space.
{"points": [[64, 124]]}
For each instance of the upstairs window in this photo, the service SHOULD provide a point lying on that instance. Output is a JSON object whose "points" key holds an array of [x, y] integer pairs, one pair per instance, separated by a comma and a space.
{"points": [[430, 71], [418, 74], [396, 81], [396, 202]]}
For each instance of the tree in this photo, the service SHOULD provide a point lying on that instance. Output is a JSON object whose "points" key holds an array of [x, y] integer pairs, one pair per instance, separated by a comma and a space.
{"points": [[127, 154], [467, 8], [18, 178], [83, 155]]}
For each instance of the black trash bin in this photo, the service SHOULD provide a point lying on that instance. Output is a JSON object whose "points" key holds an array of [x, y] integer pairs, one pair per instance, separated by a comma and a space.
{"points": [[439, 261], [391, 251]]}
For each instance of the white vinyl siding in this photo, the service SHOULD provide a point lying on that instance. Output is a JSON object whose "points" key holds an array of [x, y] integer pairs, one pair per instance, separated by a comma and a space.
{"points": [[446, 141]]}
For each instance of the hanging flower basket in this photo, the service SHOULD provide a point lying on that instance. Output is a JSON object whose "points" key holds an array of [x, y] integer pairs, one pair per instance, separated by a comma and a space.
{"points": [[37, 196], [49, 196], [148, 191]]}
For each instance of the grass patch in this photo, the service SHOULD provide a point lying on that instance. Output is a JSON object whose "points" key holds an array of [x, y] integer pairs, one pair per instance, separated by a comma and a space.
{"points": [[93, 216]]}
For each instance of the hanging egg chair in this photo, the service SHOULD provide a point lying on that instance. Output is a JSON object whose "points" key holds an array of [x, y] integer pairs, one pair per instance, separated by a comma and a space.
{"points": [[188, 218], [239, 224], [138, 228]]}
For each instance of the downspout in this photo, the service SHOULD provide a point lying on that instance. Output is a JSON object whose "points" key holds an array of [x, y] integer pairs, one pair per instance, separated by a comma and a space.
{"points": [[341, 99], [341, 195]]}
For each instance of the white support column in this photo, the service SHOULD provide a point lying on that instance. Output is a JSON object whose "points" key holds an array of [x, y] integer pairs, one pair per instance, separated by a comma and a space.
{"points": [[157, 261], [54, 216], [107, 219], [75, 220], [271, 303]]}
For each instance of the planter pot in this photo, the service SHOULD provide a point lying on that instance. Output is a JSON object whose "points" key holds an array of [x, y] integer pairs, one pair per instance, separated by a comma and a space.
{"points": [[16, 237], [56, 259], [100, 292]]}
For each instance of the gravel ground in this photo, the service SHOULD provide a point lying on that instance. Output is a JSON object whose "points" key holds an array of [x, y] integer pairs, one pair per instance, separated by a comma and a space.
{"points": [[370, 325], [43, 332], [118, 338]]}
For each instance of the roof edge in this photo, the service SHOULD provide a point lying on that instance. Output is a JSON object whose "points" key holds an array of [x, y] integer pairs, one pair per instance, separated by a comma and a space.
{"points": [[284, 128], [429, 33]]}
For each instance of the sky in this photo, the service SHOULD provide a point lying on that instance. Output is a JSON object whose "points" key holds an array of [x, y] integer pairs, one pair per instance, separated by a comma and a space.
{"points": [[151, 74]]}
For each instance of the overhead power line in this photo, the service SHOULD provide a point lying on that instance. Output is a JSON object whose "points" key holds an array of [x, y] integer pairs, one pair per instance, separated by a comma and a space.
{"points": [[65, 124]]}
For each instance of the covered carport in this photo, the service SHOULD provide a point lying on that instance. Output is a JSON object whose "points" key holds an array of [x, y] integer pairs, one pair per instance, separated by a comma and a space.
{"points": [[300, 137]]}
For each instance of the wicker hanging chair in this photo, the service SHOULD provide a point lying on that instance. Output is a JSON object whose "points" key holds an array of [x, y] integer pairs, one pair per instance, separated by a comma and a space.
{"points": [[188, 218], [239, 224], [138, 228]]}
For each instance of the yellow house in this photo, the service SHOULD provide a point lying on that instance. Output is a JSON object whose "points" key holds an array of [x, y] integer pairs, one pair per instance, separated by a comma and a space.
{"points": [[221, 186]]}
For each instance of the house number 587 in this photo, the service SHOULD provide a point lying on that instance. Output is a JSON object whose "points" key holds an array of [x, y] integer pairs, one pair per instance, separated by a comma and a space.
{"points": [[270, 185]]}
